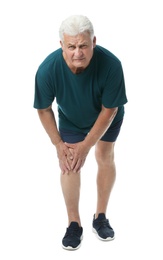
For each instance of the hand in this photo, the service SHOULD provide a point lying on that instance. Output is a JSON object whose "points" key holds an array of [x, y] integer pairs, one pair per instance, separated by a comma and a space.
{"points": [[79, 152], [65, 157]]}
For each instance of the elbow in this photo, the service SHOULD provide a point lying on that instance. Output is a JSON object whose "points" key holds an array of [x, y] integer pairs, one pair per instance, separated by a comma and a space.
{"points": [[110, 113], [115, 110]]}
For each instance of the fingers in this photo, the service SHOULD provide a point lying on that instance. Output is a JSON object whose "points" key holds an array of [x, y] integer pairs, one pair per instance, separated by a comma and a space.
{"points": [[66, 161], [79, 164], [65, 156], [70, 154], [77, 159], [66, 166]]}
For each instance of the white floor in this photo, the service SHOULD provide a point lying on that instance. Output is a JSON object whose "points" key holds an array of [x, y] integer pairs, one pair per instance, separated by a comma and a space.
{"points": [[32, 213]]}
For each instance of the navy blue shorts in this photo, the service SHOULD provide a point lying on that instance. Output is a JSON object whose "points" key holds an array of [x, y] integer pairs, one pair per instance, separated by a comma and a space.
{"points": [[74, 137]]}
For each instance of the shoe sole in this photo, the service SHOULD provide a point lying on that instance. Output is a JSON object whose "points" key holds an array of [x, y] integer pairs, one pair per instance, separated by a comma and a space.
{"points": [[103, 239], [70, 248]]}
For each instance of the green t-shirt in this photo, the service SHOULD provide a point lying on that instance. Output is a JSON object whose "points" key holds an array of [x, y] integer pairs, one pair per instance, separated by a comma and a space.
{"points": [[81, 96]]}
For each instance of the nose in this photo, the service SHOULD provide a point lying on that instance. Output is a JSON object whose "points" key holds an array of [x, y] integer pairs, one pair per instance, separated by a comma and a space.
{"points": [[78, 52]]}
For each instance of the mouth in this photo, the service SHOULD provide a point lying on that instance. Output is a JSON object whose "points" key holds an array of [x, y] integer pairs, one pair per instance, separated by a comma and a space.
{"points": [[78, 59]]}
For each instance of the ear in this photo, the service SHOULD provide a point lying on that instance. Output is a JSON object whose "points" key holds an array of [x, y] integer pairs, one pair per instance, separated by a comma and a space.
{"points": [[61, 43], [94, 41]]}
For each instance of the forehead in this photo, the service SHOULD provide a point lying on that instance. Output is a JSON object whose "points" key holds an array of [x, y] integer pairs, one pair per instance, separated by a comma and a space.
{"points": [[77, 39]]}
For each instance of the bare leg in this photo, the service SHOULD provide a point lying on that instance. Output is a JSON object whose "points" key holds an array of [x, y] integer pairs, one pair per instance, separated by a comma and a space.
{"points": [[104, 154], [70, 184]]}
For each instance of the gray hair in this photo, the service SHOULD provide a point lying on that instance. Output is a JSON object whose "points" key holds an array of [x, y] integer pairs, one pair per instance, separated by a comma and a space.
{"points": [[74, 25]]}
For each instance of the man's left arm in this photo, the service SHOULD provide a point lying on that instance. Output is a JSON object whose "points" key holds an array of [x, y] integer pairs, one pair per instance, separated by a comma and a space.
{"points": [[81, 149]]}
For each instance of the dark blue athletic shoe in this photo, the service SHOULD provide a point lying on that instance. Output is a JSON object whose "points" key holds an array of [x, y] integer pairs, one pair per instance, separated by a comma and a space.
{"points": [[102, 228], [73, 237]]}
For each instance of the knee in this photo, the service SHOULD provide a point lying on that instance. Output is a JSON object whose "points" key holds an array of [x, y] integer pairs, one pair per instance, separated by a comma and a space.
{"points": [[103, 157]]}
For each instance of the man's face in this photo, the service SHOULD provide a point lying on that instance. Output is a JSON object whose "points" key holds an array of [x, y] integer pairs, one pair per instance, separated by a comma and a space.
{"points": [[78, 50]]}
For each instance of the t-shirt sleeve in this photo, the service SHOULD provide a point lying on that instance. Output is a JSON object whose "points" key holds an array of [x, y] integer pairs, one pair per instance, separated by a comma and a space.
{"points": [[44, 90], [114, 93]]}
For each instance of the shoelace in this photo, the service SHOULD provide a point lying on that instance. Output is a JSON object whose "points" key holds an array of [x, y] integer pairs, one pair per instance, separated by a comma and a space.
{"points": [[103, 223], [72, 232]]}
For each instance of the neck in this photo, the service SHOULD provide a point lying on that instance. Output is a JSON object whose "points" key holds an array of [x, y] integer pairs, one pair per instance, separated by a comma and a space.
{"points": [[77, 70]]}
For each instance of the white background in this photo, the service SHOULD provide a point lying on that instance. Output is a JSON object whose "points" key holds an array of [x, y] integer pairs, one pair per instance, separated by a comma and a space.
{"points": [[33, 219]]}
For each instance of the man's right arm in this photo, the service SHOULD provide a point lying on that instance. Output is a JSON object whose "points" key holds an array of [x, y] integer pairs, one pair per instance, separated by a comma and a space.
{"points": [[49, 123]]}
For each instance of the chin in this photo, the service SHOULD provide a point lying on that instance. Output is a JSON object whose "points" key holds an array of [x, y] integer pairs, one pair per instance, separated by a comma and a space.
{"points": [[80, 64]]}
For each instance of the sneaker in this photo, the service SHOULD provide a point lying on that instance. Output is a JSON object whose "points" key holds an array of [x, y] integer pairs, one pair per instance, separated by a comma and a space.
{"points": [[73, 237], [102, 228]]}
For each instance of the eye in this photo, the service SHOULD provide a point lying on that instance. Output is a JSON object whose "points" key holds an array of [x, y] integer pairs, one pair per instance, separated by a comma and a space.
{"points": [[71, 47], [83, 46]]}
